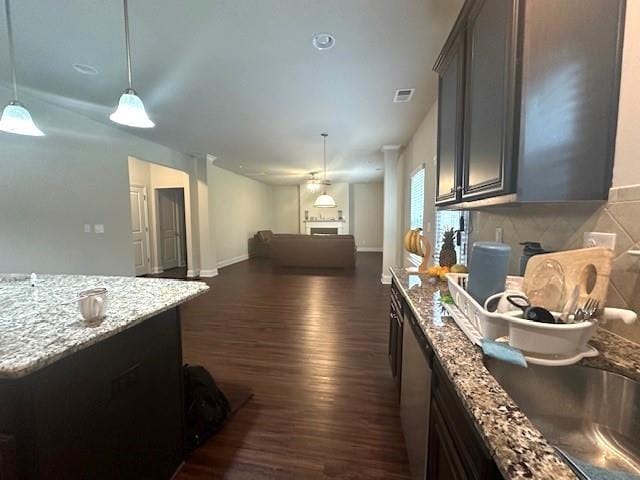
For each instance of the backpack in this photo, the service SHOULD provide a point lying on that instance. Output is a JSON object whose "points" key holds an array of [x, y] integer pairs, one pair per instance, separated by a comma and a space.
{"points": [[206, 407]]}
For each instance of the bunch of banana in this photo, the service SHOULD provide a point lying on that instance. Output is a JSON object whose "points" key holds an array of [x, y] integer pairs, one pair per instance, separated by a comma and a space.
{"points": [[418, 244]]}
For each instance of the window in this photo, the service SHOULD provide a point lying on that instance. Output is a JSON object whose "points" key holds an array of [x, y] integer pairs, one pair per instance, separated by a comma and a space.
{"points": [[445, 220], [416, 201]]}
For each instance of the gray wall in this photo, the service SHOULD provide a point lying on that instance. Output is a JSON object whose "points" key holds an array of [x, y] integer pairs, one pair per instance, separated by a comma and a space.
{"points": [[51, 186]]}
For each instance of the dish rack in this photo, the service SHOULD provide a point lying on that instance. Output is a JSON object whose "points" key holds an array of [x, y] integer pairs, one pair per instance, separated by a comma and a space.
{"points": [[541, 343]]}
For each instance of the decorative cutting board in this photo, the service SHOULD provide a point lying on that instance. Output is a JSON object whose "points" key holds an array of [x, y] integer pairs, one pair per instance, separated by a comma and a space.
{"points": [[550, 278]]}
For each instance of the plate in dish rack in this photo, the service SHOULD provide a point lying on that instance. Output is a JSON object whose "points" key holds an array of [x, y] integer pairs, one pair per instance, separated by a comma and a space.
{"points": [[475, 336]]}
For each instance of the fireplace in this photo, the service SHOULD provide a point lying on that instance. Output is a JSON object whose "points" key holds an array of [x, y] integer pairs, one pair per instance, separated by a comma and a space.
{"points": [[324, 231], [325, 227]]}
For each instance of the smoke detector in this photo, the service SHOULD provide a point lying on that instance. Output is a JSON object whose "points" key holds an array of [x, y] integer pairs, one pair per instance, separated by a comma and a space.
{"points": [[323, 41], [403, 95]]}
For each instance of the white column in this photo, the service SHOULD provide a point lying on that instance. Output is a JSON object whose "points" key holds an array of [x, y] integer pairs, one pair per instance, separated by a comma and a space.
{"points": [[208, 266], [391, 218]]}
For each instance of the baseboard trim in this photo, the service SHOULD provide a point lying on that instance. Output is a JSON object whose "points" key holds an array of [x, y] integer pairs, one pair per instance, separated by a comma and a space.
{"points": [[385, 279], [193, 273], [209, 273], [369, 249], [231, 261]]}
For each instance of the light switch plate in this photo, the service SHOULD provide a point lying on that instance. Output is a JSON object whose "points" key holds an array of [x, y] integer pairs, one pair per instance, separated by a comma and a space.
{"points": [[98, 228], [599, 239], [87, 228], [499, 234]]}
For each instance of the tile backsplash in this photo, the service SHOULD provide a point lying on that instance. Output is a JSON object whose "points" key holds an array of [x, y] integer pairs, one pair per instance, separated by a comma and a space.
{"points": [[561, 227]]}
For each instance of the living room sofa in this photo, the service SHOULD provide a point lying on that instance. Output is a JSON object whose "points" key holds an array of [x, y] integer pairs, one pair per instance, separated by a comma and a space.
{"points": [[313, 251], [310, 251]]}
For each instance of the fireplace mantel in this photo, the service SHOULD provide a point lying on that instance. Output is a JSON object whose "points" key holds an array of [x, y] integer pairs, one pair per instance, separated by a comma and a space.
{"points": [[321, 223]]}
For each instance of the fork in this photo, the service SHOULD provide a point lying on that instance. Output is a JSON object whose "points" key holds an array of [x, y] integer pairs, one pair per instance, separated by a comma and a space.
{"points": [[589, 310]]}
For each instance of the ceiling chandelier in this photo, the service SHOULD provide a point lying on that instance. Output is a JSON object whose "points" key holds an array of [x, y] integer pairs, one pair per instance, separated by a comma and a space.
{"points": [[313, 184], [130, 109], [324, 200], [15, 118]]}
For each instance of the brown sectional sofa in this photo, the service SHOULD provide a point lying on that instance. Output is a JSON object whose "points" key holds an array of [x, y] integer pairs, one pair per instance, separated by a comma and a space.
{"points": [[310, 251]]}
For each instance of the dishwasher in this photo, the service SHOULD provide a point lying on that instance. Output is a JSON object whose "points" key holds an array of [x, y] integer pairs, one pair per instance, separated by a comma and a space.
{"points": [[415, 395]]}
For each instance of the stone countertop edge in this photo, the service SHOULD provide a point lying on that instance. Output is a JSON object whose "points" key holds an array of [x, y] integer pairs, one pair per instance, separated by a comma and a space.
{"points": [[518, 448], [28, 365]]}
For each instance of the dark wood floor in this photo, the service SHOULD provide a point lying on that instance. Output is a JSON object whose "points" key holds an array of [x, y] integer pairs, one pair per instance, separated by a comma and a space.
{"points": [[313, 349]]}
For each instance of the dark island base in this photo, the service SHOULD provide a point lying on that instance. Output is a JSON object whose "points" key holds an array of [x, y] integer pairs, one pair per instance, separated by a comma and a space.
{"points": [[113, 410]]}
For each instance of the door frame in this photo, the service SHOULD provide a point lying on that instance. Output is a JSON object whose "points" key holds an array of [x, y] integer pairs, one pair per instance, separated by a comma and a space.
{"points": [[146, 221], [183, 256]]}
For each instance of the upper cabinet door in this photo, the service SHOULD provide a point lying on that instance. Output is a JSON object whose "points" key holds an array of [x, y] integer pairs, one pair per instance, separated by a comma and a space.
{"points": [[450, 95], [488, 161]]}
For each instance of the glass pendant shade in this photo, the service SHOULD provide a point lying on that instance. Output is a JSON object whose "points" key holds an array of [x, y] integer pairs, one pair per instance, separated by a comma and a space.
{"points": [[131, 111], [313, 185], [17, 119], [325, 201]]}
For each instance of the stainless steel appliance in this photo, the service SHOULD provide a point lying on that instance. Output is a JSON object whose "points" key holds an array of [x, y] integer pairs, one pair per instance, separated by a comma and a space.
{"points": [[415, 394]]}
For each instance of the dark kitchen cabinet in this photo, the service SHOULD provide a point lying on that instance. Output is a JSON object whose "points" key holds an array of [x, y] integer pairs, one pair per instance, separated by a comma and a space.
{"points": [[444, 462], [540, 90], [488, 80], [450, 108], [455, 447]]}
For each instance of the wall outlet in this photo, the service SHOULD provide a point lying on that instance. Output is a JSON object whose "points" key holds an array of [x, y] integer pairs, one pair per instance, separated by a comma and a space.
{"points": [[499, 234], [98, 228], [599, 239], [87, 228]]}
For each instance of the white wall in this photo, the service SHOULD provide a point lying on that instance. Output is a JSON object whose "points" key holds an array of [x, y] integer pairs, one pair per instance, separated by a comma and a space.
{"points": [[238, 208], [421, 150], [339, 192], [286, 209], [626, 169], [368, 207], [51, 186]]}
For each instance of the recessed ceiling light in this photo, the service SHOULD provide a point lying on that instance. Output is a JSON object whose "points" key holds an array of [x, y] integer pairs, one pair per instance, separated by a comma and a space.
{"points": [[85, 69], [324, 41]]}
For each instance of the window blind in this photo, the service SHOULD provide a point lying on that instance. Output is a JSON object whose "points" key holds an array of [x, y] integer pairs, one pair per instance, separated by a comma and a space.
{"points": [[445, 220], [416, 218]]}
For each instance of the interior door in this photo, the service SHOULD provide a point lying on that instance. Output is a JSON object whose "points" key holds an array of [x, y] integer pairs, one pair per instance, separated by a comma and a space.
{"points": [[140, 229], [168, 226]]}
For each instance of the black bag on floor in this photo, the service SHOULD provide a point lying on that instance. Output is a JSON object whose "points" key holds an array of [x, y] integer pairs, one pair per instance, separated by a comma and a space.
{"points": [[206, 407]]}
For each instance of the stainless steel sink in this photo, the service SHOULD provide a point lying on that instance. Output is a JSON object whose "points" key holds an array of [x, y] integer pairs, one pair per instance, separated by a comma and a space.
{"points": [[593, 415]]}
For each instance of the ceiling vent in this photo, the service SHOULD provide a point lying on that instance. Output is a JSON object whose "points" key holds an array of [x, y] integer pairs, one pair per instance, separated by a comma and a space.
{"points": [[404, 95]]}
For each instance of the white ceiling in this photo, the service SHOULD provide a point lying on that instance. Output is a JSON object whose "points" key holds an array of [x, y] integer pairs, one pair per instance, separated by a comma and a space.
{"points": [[239, 79]]}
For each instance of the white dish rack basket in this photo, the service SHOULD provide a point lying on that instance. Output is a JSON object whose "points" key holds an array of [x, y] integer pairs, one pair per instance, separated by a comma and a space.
{"points": [[541, 343]]}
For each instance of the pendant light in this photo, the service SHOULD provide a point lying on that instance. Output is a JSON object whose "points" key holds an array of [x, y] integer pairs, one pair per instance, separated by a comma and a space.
{"points": [[15, 118], [130, 109], [324, 200], [313, 184]]}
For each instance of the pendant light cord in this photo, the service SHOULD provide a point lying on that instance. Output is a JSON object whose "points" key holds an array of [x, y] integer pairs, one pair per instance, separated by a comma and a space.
{"points": [[324, 137], [126, 39], [12, 58]]}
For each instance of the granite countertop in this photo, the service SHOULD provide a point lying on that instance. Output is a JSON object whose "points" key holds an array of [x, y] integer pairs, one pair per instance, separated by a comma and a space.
{"points": [[518, 448], [36, 329]]}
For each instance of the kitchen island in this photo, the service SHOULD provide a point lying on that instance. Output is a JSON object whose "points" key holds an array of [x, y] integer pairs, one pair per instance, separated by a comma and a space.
{"points": [[91, 401]]}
